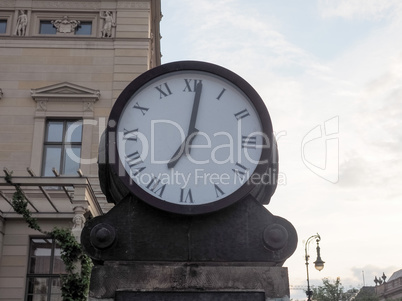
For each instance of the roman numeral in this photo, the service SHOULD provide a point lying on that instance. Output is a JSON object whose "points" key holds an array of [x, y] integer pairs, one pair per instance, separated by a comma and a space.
{"points": [[218, 191], [189, 87], [164, 90], [130, 134], [156, 187], [133, 160], [241, 173], [188, 198], [242, 114], [248, 142], [220, 94], [142, 109]]}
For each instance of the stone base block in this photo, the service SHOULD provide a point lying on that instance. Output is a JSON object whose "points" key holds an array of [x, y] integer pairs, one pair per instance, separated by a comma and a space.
{"points": [[146, 281]]}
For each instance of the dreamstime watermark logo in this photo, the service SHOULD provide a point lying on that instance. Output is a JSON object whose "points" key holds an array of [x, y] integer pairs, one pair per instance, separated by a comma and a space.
{"points": [[320, 150]]}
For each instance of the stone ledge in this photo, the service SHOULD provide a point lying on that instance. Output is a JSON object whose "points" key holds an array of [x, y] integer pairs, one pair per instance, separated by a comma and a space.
{"points": [[111, 277]]}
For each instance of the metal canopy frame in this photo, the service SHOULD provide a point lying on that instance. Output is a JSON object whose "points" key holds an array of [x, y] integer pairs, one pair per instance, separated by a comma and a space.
{"points": [[50, 196]]}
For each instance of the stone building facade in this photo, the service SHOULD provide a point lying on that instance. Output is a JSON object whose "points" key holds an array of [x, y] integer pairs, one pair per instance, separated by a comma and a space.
{"points": [[391, 289], [63, 64]]}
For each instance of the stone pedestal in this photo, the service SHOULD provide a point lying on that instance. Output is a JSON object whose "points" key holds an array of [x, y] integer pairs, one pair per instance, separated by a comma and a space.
{"points": [[166, 281], [143, 253]]}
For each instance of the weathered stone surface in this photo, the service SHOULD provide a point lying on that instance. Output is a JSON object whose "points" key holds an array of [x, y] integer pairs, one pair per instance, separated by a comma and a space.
{"points": [[193, 278], [243, 232], [190, 296]]}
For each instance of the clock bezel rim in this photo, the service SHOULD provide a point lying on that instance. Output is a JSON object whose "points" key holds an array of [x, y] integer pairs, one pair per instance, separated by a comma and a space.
{"points": [[215, 70]]}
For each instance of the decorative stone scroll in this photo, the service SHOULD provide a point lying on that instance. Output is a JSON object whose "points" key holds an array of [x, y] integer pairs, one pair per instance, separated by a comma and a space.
{"points": [[65, 25]]}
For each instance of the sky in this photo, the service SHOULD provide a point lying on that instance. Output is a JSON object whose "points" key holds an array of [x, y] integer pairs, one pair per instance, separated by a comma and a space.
{"points": [[330, 74]]}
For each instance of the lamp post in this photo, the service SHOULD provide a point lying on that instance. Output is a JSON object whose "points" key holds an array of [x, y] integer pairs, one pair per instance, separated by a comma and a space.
{"points": [[318, 264]]}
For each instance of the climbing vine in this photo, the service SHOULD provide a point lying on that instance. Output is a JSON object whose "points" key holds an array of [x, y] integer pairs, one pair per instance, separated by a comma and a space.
{"points": [[75, 284]]}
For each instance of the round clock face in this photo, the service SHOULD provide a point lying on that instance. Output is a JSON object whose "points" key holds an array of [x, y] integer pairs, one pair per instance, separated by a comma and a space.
{"points": [[190, 139]]}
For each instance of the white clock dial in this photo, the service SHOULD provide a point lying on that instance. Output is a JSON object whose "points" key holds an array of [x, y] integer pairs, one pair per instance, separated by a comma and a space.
{"points": [[223, 153], [189, 138]]}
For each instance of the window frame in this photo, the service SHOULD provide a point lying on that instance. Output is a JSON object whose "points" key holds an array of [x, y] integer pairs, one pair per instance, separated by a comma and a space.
{"points": [[64, 100], [86, 23], [47, 22], [6, 16], [63, 143], [48, 276], [38, 17], [3, 20]]}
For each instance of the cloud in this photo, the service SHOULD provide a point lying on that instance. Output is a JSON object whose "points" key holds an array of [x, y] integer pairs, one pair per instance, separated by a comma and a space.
{"points": [[358, 9], [362, 84], [354, 171], [368, 272]]}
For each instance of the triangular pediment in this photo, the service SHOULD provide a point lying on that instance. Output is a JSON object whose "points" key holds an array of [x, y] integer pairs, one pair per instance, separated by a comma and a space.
{"points": [[65, 91]]}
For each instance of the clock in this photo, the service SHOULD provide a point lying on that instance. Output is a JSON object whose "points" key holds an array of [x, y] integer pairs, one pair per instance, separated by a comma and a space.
{"points": [[190, 137]]}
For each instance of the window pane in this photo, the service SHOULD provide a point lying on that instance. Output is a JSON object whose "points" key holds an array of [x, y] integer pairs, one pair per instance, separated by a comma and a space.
{"points": [[56, 298], [3, 26], [72, 160], [74, 131], [46, 27], [85, 28], [52, 158], [58, 265], [37, 286], [41, 251], [54, 131], [56, 289]]}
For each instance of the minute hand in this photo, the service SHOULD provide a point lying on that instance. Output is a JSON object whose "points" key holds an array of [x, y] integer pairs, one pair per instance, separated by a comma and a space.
{"points": [[194, 112], [192, 131]]}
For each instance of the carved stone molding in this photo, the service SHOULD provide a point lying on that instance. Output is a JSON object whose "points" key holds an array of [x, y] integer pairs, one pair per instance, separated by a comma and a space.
{"points": [[67, 4], [41, 105], [88, 106], [8, 3], [132, 4], [65, 92]]}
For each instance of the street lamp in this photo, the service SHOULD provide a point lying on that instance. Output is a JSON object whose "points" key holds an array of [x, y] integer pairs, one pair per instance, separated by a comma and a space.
{"points": [[318, 264]]}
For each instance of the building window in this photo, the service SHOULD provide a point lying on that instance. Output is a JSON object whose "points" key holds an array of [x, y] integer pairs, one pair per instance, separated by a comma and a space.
{"points": [[3, 26], [44, 269], [62, 147], [46, 27], [85, 28]]}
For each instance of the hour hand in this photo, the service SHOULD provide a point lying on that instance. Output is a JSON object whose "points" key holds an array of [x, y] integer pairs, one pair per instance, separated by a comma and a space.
{"points": [[183, 148]]}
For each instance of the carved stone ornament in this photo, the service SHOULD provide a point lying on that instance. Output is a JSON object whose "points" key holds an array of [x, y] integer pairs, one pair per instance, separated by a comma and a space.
{"points": [[108, 24], [1, 93], [22, 21], [65, 25], [41, 105]]}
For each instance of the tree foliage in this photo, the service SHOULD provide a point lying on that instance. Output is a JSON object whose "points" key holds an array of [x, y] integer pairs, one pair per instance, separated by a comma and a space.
{"points": [[332, 291], [329, 291]]}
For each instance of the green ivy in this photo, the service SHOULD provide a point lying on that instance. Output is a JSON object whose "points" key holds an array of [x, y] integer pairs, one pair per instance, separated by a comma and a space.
{"points": [[75, 284]]}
